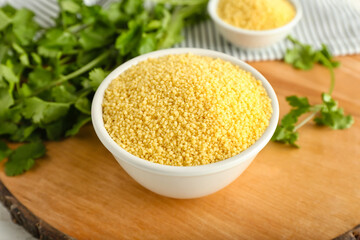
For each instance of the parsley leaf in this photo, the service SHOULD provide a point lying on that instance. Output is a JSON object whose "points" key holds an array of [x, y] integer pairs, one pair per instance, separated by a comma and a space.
{"points": [[96, 76], [7, 73], [147, 44], [64, 93], [24, 133], [42, 112], [24, 28], [23, 158], [303, 56], [331, 115], [4, 20], [81, 121], [83, 105], [7, 127], [4, 150], [70, 6], [129, 39], [6, 100], [39, 77], [331, 63], [285, 132]]}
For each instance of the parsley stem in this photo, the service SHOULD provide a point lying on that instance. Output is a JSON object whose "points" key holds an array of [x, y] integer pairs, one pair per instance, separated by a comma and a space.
{"points": [[83, 92], [303, 122], [85, 68], [294, 41], [77, 28], [326, 62], [65, 60], [74, 74]]}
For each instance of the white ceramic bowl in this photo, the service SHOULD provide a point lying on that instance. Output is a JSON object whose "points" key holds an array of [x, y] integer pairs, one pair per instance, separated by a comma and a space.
{"points": [[175, 181], [252, 38]]}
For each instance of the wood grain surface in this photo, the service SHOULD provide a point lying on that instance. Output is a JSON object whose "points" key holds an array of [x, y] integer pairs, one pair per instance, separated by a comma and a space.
{"points": [[286, 193]]}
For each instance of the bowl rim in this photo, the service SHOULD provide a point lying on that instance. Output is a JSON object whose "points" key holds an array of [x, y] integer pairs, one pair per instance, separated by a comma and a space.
{"points": [[119, 152], [212, 6]]}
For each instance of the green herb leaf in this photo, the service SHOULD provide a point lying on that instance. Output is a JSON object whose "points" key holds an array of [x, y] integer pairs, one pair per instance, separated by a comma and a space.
{"points": [[302, 56], [37, 59], [132, 7], [24, 27], [326, 53], [57, 40], [83, 105], [333, 116], [23, 158], [7, 127], [8, 74], [96, 76], [24, 91], [55, 130], [285, 132], [127, 41], [70, 6], [4, 150], [147, 44], [6, 100], [4, 20], [42, 112], [63, 93], [23, 133], [39, 78], [90, 39], [48, 52], [81, 121]]}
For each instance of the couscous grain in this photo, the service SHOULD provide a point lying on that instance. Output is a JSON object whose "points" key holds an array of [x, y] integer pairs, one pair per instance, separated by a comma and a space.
{"points": [[185, 110], [256, 14]]}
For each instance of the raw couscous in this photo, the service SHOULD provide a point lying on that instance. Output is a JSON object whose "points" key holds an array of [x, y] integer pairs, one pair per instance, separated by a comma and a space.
{"points": [[185, 110], [256, 14]]}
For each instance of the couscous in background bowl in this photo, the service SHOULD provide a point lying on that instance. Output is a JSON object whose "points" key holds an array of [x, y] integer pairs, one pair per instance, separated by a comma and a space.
{"points": [[175, 181], [253, 38]]}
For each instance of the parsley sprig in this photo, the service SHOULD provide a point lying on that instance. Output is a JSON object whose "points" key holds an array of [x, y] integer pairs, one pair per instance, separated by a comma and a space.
{"points": [[48, 76], [303, 56]]}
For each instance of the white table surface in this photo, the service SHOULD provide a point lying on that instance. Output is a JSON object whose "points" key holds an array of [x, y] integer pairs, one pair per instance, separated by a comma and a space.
{"points": [[10, 230]]}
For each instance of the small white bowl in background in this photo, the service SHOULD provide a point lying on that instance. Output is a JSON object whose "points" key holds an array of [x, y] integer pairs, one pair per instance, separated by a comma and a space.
{"points": [[175, 181], [252, 38]]}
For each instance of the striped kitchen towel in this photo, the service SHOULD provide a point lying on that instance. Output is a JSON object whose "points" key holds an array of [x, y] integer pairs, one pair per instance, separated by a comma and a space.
{"points": [[333, 22]]}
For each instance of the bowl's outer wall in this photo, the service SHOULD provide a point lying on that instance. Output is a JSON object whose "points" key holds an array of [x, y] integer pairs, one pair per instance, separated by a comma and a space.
{"points": [[248, 41], [184, 187]]}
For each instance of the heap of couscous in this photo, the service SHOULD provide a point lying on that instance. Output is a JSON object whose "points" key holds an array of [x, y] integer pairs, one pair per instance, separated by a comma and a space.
{"points": [[185, 110], [256, 14]]}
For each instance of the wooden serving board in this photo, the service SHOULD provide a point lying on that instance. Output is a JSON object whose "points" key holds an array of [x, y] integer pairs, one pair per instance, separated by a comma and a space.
{"points": [[286, 193]]}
